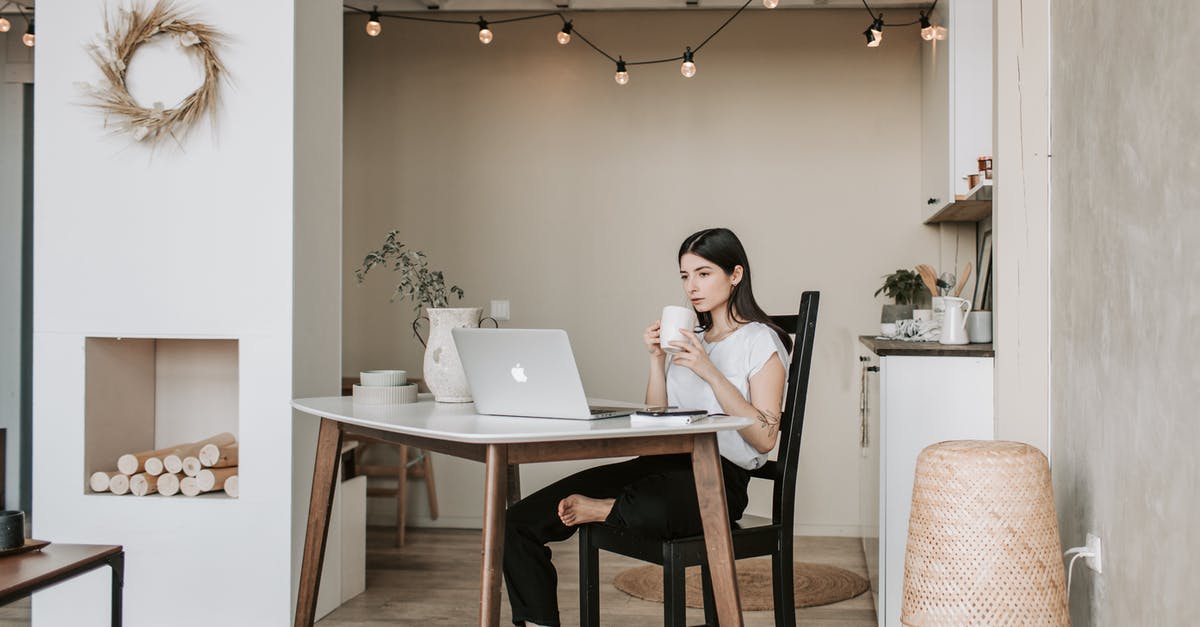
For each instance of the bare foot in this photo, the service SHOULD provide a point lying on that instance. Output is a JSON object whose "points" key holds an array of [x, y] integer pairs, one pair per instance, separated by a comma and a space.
{"points": [[578, 509]]}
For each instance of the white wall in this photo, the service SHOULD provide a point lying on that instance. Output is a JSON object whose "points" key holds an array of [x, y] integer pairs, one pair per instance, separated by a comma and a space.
{"points": [[15, 60], [527, 174], [202, 242]]}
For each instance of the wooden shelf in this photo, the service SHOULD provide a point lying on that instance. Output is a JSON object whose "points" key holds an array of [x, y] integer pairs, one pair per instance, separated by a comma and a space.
{"points": [[976, 205], [962, 211]]}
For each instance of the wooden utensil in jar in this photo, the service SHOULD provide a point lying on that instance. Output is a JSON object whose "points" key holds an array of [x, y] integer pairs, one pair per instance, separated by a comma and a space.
{"points": [[962, 279], [929, 277]]}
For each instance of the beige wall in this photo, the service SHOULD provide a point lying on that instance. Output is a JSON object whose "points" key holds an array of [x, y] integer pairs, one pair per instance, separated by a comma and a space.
{"points": [[527, 174], [1124, 377]]}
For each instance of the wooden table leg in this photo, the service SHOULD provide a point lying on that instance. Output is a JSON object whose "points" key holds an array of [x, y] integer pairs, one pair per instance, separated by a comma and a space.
{"points": [[320, 504], [401, 494], [494, 506], [710, 488]]}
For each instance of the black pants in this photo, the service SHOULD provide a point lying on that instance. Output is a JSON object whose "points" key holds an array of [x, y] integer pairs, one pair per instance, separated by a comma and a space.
{"points": [[655, 496]]}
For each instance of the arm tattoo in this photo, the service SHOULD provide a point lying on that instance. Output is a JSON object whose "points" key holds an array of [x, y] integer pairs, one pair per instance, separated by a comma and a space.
{"points": [[770, 422]]}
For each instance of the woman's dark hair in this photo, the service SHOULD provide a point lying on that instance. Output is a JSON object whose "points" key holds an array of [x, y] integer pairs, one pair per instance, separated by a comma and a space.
{"points": [[723, 248]]}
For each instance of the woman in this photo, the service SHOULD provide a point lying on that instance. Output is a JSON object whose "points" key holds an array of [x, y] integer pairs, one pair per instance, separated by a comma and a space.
{"points": [[734, 364]]}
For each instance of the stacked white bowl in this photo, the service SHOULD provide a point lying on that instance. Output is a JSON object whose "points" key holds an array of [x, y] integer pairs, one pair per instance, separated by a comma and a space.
{"points": [[384, 387]]}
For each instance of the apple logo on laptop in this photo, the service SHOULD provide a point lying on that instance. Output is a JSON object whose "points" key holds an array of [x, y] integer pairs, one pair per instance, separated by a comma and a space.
{"points": [[518, 374]]}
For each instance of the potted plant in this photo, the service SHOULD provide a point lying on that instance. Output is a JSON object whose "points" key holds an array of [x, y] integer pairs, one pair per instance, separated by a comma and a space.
{"points": [[903, 287], [442, 370]]}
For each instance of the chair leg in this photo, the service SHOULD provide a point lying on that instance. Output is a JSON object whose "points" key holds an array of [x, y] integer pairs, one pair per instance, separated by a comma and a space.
{"points": [[710, 600], [589, 580], [401, 494], [674, 589], [430, 488], [783, 587]]}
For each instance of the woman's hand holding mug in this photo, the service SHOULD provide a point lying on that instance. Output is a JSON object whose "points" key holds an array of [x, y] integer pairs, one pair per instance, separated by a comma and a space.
{"points": [[651, 338]]}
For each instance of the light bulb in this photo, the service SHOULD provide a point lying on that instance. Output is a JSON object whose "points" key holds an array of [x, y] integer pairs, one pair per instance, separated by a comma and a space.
{"points": [[927, 32], [622, 76], [564, 35], [770, 4], [939, 33], [485, 35], [688, 69], [373, 25], [5, 25], [27, 39], [874, 34]]}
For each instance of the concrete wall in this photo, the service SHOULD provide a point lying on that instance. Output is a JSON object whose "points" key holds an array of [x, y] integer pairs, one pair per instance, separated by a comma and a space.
{"points": [[527, 174], [1125, 305]]}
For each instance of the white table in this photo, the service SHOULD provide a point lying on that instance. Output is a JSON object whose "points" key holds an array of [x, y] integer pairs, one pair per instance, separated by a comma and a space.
{"points": [[503, 443]]}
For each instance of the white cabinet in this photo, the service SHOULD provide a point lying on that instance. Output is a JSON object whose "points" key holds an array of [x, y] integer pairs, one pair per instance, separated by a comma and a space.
{"points": [[916, 401], [956, 101]]}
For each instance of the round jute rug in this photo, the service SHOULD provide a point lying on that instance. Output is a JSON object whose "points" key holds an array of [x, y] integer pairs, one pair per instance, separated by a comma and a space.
{"points": [[816, 584]]}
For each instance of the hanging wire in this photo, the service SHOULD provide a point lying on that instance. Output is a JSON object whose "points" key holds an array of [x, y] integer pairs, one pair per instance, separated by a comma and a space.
{"points": [[916, 21]]}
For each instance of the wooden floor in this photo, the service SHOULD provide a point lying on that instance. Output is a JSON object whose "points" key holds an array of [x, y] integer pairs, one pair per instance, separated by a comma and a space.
{"points": [[434, 580]]}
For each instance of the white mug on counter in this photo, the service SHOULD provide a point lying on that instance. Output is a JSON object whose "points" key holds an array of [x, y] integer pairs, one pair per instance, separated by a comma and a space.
{"points": [[673, 319], [979, 327]]}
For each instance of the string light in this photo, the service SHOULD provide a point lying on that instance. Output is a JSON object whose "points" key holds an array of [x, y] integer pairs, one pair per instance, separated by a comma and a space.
{"points": [[622, 76], [688, 69], [874, 32], [28, 37], [927, 31], [5, 25], [567, 33], [373, 25], [485, 35]]}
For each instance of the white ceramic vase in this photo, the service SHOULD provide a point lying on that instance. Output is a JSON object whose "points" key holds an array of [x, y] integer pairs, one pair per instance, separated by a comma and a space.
{"points": [[443, 369]]}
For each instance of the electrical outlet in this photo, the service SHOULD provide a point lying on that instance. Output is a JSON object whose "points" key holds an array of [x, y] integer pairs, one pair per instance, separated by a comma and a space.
{"points": [[500, 309], [1093, 546]]}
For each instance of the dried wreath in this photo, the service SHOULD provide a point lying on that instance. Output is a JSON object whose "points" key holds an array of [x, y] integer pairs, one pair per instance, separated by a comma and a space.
{"points": [[131, 28]]}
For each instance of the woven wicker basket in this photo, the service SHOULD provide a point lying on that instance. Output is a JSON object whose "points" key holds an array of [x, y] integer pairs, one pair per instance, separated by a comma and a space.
{"points": [[983, 545]]}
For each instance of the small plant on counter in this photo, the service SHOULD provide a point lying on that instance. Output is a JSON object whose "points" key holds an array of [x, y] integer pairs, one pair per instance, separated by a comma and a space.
{"points": [[426, 288], [902, 286]]}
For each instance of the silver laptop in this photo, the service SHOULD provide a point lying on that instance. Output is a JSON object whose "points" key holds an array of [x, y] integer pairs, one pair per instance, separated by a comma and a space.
{"points": [[526, 372]]}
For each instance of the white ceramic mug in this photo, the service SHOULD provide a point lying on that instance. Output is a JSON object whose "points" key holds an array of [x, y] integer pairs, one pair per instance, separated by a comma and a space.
{"points": [[673, 319], [939, 308], [979, 327]]}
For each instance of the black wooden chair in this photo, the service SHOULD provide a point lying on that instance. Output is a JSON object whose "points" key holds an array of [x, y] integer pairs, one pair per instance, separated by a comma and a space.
{"points": [[774, 539]]}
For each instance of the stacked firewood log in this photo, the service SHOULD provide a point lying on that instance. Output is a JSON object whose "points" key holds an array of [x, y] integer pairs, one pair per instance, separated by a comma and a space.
{"points": [[189, 469]]}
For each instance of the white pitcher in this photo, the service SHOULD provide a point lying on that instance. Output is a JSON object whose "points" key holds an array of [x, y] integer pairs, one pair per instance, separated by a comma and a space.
{"points": [[954, 325]]}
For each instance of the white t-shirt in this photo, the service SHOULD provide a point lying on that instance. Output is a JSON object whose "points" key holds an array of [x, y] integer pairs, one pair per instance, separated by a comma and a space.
{"points": [[740, 355]]}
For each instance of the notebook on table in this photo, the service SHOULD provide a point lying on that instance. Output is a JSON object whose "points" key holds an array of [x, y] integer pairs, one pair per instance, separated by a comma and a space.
{"points": [[526, 372]]}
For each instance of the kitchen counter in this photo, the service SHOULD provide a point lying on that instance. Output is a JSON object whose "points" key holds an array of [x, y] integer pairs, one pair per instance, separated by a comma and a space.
{"points": [[925, 349]]}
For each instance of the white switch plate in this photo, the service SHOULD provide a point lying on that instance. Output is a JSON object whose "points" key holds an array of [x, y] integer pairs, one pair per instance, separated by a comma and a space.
{"points": [[500, 309], [1093, 561]]}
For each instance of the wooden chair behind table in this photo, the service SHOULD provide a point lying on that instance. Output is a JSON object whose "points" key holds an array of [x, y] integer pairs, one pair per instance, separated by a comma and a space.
{"points": [[411, 463], [772, 538]]}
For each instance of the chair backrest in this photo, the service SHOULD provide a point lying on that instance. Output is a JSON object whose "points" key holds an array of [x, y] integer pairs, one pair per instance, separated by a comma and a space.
{"points": [[791, 423]]}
